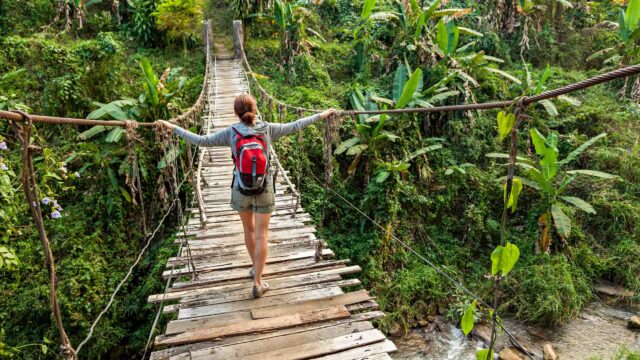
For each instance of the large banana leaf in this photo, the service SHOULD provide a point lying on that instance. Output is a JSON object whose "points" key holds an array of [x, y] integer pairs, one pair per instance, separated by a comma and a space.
{"points": [[409, 89], [367, 8], [399, 80], [632, 15], [579, 203], [345, 145], [549, 163], [594, 173], [114, 109], [151, 85], [575, 153], [562, 221]]}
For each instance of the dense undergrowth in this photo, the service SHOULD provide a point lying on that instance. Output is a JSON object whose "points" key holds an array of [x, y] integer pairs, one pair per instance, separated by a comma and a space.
{"points": [[46, 70], [447, 204]]}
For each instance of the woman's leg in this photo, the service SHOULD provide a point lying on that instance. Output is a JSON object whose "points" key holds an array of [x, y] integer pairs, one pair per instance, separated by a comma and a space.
{"points": [[249, 232], [262, 237]]}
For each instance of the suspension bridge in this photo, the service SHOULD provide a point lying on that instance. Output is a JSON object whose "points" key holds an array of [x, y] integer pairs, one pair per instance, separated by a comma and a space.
{"points": [[308, 312], [313, 309]]}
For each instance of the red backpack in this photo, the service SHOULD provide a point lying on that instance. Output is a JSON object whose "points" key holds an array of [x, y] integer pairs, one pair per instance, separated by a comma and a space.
{"points": [[252, 163]]}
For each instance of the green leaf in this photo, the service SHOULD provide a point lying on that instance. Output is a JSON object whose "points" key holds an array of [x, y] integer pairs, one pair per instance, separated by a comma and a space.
{"points": [[125, 194], [114, 135], [367, 8], [542, 80], [468, 320], [516, 188], [579, 203], [594, 173], [467, 31], [570, 100], [357, 149], [93, 132], [580, 149], [346, 145], [561, 220], [538, 141], [382, 176], [114, 109], [505, 123], [484, 354], [399, 80], [453, 33], [632, 15], [424, 150], [549, 163], [409, 89], [442, 38], [442, 96], [549, 107], [152, 81], [420, 25], [504, 74], [503, 258]]}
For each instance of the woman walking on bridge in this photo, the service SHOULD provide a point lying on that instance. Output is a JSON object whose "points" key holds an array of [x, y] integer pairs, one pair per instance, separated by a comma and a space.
{"points": [[253, 186]]}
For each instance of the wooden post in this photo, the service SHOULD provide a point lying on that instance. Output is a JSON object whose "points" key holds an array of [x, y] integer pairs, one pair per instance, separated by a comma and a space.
{"points": [[238, 39]]}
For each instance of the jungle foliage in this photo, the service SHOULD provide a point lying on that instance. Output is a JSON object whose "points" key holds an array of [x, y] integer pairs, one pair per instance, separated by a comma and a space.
{"points": [[120, 64], [436, 180]]}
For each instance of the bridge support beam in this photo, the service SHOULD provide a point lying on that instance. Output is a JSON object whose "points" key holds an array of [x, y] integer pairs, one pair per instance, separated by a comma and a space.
{"points": [[238, 39]]}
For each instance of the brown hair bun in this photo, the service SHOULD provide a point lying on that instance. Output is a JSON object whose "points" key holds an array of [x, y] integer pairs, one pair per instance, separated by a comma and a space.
{"points": [[245, 107]]}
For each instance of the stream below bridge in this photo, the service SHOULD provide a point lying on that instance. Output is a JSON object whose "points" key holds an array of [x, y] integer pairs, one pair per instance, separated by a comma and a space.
{"points": [[599, 331]]}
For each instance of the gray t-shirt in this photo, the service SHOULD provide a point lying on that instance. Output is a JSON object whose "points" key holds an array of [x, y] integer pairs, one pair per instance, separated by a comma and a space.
{"points": [[227, 137]]}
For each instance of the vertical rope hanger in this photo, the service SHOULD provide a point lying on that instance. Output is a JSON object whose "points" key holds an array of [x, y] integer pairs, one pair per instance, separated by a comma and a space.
{"points": [[30, 186], [133, 180]]}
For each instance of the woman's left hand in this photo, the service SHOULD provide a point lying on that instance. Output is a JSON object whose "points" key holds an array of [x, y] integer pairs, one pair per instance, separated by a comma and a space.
{"points": [[327, 113]]}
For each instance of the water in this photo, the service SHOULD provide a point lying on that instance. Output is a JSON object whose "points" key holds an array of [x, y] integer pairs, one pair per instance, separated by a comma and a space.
{"points": [[600, 330]]}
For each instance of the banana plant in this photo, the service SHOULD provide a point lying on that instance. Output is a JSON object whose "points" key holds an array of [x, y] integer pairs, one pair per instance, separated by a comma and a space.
{"points": [[547, 176], [290, 22], [370, 133], [152, 104], [627, 51], [385, 169], [408, 90], [362, 32], [535, 88]]}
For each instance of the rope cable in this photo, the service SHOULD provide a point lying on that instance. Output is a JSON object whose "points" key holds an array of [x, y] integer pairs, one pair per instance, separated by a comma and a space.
{"points": [[416, 253]]}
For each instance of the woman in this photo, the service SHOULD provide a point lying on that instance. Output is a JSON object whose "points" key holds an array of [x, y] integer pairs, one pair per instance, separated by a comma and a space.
{"points": [[252, 193]]}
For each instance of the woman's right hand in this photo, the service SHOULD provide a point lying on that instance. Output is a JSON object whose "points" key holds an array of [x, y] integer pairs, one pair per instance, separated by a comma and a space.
{"points": [[167, 125]]}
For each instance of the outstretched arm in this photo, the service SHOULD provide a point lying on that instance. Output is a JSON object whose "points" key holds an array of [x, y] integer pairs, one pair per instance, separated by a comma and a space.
{"points": [[220, 138], [280, 130]]}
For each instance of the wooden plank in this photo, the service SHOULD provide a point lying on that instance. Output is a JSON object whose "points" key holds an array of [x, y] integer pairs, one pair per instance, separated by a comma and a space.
{"points": [[245, 294], [233, 340], [342, 299], [317, 315], [276, 270], [267, 301], [365, 352], [243, 349], [239, 262], [278, 283], [321, 347]]}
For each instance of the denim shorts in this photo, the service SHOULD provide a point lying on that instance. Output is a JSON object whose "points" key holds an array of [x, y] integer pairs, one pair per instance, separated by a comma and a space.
{"points": [[264, 203]]}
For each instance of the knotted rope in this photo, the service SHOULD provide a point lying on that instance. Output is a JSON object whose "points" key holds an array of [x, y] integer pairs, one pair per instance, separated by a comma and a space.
{"points": [[30, 186]]}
